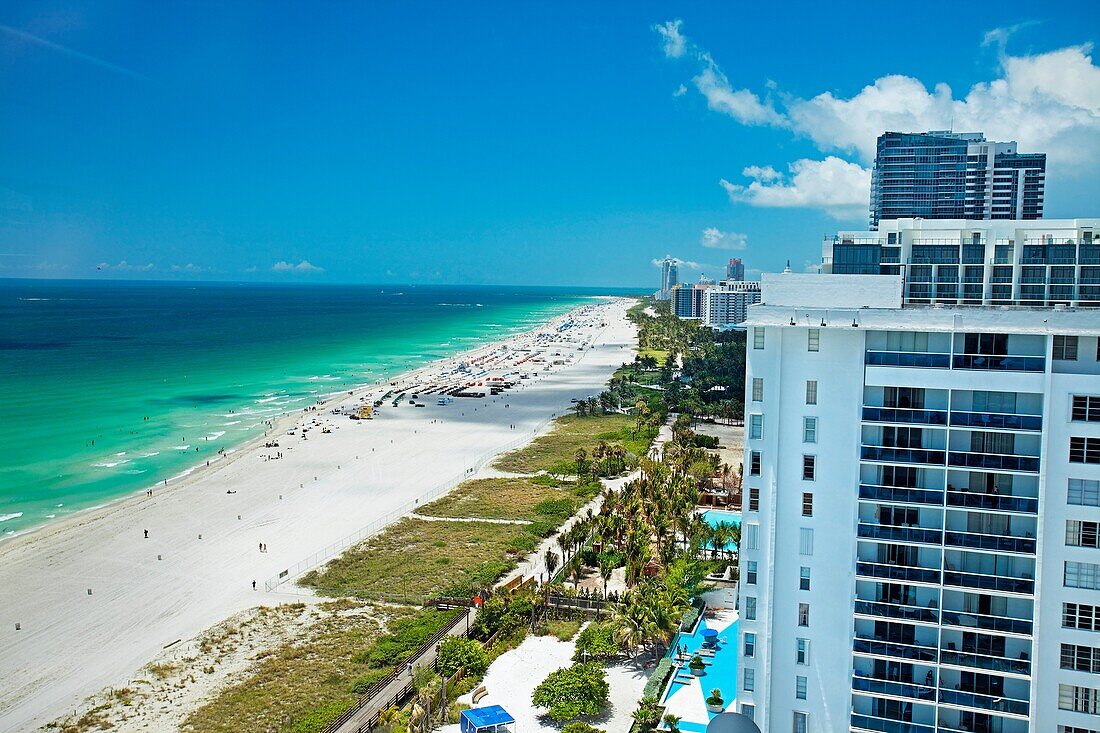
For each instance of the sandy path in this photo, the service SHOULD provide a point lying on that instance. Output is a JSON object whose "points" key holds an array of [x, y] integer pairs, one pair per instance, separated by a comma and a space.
{"points": [[73, 644]]}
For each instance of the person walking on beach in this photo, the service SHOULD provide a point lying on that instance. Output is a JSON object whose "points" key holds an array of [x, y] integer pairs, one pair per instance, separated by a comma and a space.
{"points": [[146, 534], [253, 585]]}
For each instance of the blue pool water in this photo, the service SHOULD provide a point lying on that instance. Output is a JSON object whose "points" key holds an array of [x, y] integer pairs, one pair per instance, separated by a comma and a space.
{"points": [[720, 672], [714, 516]]}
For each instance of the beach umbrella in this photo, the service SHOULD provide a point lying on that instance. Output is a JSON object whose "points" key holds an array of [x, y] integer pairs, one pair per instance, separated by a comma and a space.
{"points": [[710, 634]]}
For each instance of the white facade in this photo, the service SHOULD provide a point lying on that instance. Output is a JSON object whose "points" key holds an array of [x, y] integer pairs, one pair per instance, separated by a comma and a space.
{"points": [[728, 304], [907, 513]]}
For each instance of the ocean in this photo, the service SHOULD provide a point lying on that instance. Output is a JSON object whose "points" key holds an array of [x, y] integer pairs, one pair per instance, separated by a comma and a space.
{"points": [[111, 387]]}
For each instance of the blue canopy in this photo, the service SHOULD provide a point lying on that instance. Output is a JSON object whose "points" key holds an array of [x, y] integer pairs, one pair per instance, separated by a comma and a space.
{"points": [[709, 633], [491, 716]]}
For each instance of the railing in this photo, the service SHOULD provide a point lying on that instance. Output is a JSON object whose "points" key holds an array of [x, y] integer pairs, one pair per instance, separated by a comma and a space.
{"points": [[918, 359], [1003, 543], [880, 609], [902, 455], [985, 702], [981, 661], [894, 649], [999, 502], [330, 551], [996, 420], [897, 572], [893, 533], [885, 725], [1003, 624], [905, 415], [994, 461], [1002, 363], [988, 582], [900, 494], [896, 689]]}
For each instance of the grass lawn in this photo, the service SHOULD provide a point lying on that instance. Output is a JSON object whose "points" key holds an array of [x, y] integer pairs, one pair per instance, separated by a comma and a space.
{"points": [[534, 499], [419, 557], [570, 433], [661, 355], [564, 629]]}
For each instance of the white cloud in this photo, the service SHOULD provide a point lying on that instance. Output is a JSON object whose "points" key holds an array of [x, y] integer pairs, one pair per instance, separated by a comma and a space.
{"points": [[673, 42], [840, 188], [680, 91], [687, 264], [305, 266], [189, 268], [124, 266], [715, 238], [740, 104]]}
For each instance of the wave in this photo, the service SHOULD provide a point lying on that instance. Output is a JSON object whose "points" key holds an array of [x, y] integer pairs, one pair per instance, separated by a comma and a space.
{"points": [[267, 399], [14, 515], [109, 464], [231, 422], [180, 447], [135, 471], [150, 455], [215, 435]]}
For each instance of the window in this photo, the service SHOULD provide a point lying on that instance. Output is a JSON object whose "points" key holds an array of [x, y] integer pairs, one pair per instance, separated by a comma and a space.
{"points": [[1079, 699], [750, 680], [807, 504], [1065, 348], [749, 711], [801, 651], [1084, 450], [804, 578], [1080, 658], [1082, 534], [750, 572], [1084, 492], [809, 468], [756, 427], [754, 463], [750, 644], [754, 499], [1080, 616], [757, 389], [805, 541], [750, 608], [1081, 575], [800, 688], [757, 337], [809, 430], [1075, 729], [803, 614], [813, 339], [752, 537], [1086, 408], [811, 391], [800, 723]]}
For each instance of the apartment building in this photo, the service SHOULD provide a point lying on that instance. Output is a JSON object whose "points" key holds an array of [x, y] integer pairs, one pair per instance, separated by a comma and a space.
{"points": [[921, 541]]}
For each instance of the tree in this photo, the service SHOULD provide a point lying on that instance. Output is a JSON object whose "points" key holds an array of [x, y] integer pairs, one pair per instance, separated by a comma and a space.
{"points": [[648, 714], [579, 457], [456, 652], [673, 722], [573, 692], [596, 641], [579, 726], [551, 560]]}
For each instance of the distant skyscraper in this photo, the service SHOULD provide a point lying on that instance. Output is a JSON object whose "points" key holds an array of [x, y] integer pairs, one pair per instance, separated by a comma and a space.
{"points": [[954, 175], [735, 269], [670, 277]]}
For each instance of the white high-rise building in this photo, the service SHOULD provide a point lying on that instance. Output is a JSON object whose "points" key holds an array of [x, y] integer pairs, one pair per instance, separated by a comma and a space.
{"points": [[921, 541], [728, 304], [670, 278]]}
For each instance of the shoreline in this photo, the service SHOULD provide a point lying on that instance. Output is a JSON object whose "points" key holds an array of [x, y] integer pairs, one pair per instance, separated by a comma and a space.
{"points": [[278, 422], [193, 570]]}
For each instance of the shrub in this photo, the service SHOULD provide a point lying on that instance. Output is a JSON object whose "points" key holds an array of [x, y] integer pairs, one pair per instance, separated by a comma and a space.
{"points": [[579, 726], [648, 714], [598, 641], [715, 697], [572, 692], [455, 653], [697, 662], [658, 679]]}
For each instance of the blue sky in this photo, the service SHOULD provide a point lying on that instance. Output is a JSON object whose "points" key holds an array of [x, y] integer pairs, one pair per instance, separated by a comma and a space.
{"points": [[565, 143]]}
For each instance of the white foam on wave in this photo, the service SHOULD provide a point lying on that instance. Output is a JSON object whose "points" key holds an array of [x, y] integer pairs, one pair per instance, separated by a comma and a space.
{"points": [[267, 399], [109, 464], [150, 455], [121, 454], [180, 447], [134, 471], [215, 435], [50, 516], [13, 515], [231, 422]]}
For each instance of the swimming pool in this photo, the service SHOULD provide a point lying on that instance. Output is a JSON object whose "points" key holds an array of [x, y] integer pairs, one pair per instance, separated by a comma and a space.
{"points": [[686, 695], [715, 516]]}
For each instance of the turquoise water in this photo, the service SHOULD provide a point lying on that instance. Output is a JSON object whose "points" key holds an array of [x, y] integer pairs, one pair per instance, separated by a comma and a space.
{"points": [[720, 672], [715, 516], [110, 388]]}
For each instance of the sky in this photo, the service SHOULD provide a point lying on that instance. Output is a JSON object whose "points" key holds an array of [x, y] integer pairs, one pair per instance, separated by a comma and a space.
{"points": [[500, 143]]}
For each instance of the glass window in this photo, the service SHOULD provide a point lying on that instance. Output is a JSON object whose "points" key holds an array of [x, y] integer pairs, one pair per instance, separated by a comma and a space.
{"points": [[1084, 492], [801, 723], [752, 537], [804, 578], [805, 541], [750, 572], [1080, 616], [813, 339], [809, 430], [756, 427], [809, 468], [807, 504], [757, 337], [1086, 408], [1082, 534], [757, 389], [1065, 348], [750, 644], [802, 651], [750, 608], [1079, 699], [754, 463], [749, 711], [803, 614], [749, 680], [811, 392], [1084, 450], [1081, 575], [754, 499]]}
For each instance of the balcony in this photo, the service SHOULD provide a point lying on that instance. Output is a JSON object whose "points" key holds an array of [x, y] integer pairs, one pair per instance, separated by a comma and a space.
{"points": [[995, 461], [880, 571], [885, 725], [1001, 363], [994, 421], [997, 502], [889, 454], [1000, 543], [919, 359], [896, 650], [989, 582], [1002, 624], [901, 495], [981, 661], [880, 609], [867, 530], [961, 698], [894, 689], [905, 415]]}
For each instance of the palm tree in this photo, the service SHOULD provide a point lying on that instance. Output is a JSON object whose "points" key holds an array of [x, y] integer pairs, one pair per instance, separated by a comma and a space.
{"points": [[606, 569], [551, 560], [579, 457]]}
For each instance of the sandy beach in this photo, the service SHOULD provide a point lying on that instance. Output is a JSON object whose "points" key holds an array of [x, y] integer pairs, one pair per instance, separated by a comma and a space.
{"points": [[329, 477]]}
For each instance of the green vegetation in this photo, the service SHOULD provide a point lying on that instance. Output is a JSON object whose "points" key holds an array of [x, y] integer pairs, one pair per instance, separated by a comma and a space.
{"points": [[577, 691], [555, 451], [456, 653], [648, 714], [597, 641], [579, 726], [541, 499], [563, 628]]}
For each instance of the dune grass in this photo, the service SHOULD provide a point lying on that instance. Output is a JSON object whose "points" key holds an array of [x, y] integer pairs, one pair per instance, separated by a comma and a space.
{"points": [[536, 499], [571, 432]]}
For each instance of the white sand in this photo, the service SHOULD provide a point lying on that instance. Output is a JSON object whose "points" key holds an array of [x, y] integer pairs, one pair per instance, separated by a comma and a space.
{"points": [[73, 644]]}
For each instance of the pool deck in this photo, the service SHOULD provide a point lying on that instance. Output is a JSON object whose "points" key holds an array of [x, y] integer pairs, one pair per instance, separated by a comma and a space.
{"points": [[686, 694]]}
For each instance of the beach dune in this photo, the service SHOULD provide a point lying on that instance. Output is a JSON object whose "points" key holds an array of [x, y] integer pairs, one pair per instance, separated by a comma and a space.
{"points": [[96, 600]]}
